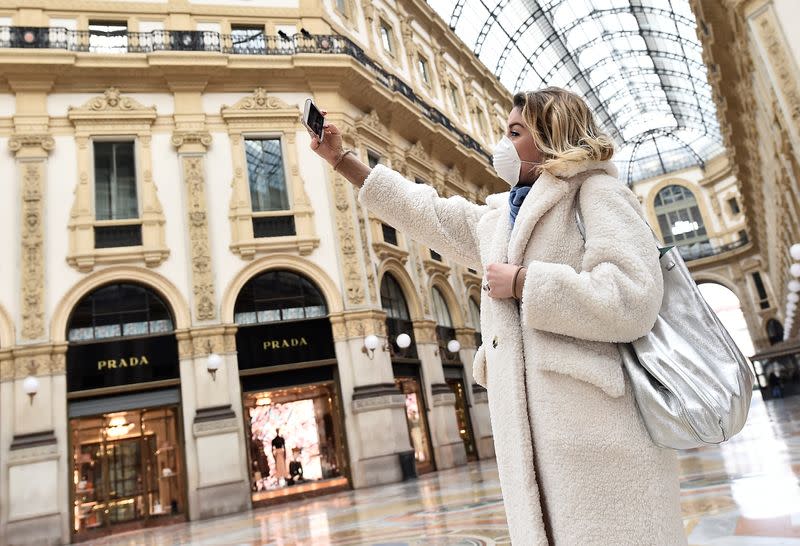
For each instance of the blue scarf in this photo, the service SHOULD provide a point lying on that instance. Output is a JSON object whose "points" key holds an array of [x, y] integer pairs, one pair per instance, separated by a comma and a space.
{"points": [[515, 198]]}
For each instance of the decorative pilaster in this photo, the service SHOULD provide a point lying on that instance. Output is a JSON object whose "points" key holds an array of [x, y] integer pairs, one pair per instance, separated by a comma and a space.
{"points": [[31, 152], [192, 146]]}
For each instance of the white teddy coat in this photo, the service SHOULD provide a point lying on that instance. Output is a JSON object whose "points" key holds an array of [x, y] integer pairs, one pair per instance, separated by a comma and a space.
{"points": [[576, 464]]}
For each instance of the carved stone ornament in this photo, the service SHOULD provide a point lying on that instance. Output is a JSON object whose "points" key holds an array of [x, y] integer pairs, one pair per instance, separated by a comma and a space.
{"points": [[784, 68], [259, 100], [111, 103], [43, 142], [417, 151], [181, 138], [202, 272], [346, 232], [32, 266]]}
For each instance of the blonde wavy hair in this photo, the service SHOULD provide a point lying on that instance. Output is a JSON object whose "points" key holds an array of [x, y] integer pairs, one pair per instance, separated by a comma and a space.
{"points": [[563, 127]]}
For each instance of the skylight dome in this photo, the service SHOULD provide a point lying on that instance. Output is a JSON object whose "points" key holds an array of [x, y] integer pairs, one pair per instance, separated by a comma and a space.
{"points": [[638, 63]]}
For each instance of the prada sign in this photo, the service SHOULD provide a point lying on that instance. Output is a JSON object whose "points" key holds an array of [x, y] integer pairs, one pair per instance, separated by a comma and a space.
{"points": [[284, 343], [122, 361]]}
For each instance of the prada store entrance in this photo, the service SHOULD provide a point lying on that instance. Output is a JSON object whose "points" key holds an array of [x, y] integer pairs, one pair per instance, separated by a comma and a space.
{"points": [[291, 396], [127, 467]]}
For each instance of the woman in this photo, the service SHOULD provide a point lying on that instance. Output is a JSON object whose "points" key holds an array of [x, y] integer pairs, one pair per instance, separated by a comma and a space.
{"points": [[576, 464]]}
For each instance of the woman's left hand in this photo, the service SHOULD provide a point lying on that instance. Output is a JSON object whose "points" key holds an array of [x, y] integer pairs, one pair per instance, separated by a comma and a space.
{"points": [[500, 278]]}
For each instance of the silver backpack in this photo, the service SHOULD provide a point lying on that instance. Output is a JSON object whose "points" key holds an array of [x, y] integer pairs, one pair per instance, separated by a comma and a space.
{"points": [[691, 382]]}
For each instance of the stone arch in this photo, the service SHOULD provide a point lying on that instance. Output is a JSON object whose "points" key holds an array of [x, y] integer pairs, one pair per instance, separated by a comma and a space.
{"points": [[474, 292], [395, 267], [7, 338], [150, 279], [731, 314], [439, 281], [711, 277], [310, 270]]}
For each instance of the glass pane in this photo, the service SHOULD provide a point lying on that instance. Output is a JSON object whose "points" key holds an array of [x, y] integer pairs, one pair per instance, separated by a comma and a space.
{"points": [[125, 176], [103, 170], [266, 175]]}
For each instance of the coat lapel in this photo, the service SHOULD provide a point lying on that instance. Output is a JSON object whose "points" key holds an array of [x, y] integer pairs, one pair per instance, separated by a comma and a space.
{"points": [[545, 193]]}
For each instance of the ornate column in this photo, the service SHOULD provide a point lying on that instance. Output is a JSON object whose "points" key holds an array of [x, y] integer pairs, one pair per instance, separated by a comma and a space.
{"points": [[191, 147], [31, 152]]}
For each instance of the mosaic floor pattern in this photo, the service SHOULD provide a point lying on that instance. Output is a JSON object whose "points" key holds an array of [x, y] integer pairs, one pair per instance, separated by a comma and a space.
{"points": [[744, 493]]}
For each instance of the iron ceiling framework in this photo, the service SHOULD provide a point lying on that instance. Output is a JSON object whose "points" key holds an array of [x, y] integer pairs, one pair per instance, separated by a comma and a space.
{"points": [[638, 63]]}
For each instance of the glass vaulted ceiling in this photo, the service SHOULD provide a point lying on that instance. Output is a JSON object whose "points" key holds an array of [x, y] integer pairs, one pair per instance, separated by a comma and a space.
{"points": [[638, 63]]}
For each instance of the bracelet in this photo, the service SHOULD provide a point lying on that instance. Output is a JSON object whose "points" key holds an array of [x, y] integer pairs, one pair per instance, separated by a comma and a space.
{"points": [[342, 157], [514, 284]]}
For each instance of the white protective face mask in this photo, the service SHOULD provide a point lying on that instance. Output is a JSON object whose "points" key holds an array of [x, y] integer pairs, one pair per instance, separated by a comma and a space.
{"points": [[506, 161]]}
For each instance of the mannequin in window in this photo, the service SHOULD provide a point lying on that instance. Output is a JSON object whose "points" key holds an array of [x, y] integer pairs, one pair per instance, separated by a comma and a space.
{"points": [[279, 453], [295, 468]]}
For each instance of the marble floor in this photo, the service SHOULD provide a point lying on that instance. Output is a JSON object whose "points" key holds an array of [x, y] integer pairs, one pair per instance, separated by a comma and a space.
{"points": [[743, 493]]}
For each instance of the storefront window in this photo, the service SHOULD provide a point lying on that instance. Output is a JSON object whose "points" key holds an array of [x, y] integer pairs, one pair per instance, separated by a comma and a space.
{"points": [[127, 468], [416, 418], [462, 416], [295, 440]]}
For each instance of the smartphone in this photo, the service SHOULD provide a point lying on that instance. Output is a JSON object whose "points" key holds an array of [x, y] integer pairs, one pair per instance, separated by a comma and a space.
{"points": [[313, 119]]}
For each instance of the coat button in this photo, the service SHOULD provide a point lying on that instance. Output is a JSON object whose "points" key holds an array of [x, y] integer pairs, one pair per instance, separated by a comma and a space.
{"points": [[494, 342]]}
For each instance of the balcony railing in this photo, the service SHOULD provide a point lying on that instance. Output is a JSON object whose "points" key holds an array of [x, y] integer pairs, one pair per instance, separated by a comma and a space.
{"points": [[214, 42], [706, 249]]}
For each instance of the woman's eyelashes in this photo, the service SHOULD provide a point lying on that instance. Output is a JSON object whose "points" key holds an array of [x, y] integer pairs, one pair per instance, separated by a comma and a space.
{"points": [[513, 133]]}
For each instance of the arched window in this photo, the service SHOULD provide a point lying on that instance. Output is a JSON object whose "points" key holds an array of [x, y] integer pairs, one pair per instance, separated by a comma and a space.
{"points": [[774, 331], [679, 216], [440, 309], [392, 299], [276, 296], [398, 319], [119, 310], [475, 314], [475, 318], [444, 327]]}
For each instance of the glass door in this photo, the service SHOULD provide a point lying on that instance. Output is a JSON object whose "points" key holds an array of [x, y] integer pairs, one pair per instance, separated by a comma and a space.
{"points": [[417, 420], [462, 418], [127, 470]]}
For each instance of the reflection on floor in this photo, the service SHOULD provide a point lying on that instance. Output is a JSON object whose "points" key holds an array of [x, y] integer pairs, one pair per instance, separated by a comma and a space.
{"points": [[743, 493]]}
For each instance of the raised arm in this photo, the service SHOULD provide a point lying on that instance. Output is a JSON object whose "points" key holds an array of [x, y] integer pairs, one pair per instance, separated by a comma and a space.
{"points": [[447, 225]]}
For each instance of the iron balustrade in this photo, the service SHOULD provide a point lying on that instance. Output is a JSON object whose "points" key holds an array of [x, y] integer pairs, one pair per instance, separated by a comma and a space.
{"points": [[706, 249], [236, 44]]}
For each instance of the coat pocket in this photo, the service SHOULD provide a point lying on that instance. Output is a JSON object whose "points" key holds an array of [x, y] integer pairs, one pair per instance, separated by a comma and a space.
{"points": [[595, 362], [479, 366]]}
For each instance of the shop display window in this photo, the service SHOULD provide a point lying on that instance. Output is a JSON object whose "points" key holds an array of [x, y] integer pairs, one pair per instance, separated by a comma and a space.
{"points": [[295, 440], [417, 420]]}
